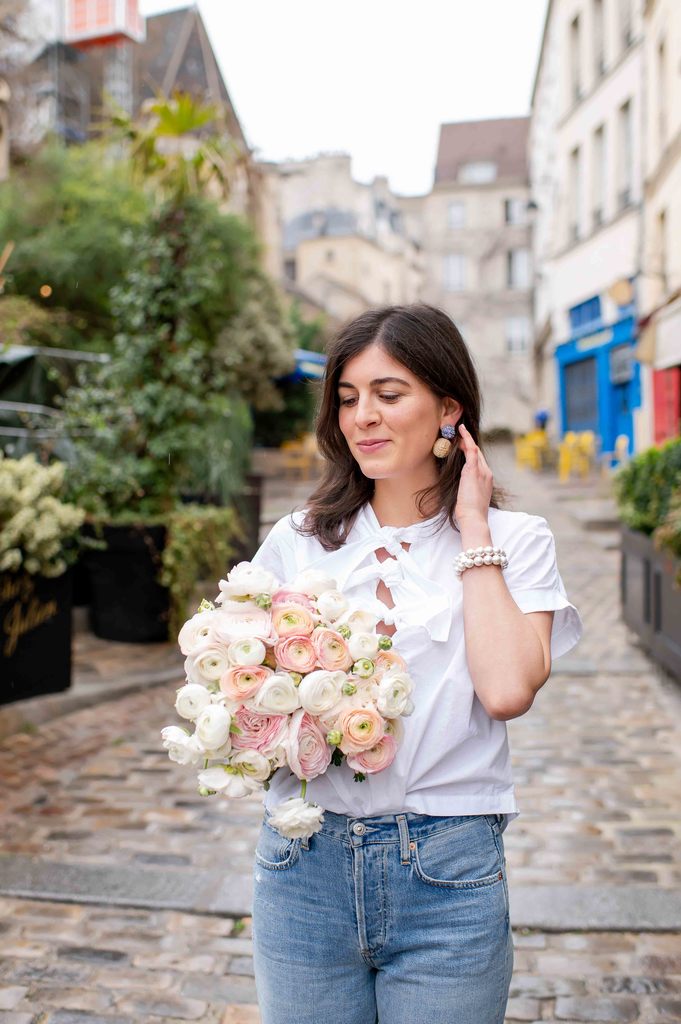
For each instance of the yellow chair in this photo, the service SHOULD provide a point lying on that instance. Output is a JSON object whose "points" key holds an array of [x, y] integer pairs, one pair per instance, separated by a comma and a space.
{"points": [[532, 450], [567, 455], [300, 456]]}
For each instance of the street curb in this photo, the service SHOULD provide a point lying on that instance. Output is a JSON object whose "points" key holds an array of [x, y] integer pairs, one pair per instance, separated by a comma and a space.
{"points": [[25, 715]]}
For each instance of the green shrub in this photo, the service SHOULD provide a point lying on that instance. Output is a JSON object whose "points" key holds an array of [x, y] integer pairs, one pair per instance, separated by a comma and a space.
{"points": [[644, 487]]}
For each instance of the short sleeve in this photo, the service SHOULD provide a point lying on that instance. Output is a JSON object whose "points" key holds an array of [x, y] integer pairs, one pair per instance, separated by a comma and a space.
{"points": [[276, 551], [535, 584]]}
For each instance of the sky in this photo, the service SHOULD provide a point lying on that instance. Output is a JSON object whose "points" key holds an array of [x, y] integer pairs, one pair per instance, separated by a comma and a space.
{"points": [[373, 78]]}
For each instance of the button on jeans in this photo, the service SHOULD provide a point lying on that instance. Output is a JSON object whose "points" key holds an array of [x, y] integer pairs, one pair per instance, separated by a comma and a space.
{"points": [[396, 918]]}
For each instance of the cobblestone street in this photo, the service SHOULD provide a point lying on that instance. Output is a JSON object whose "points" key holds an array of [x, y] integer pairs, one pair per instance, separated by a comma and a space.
{"points": [[126, 894]]}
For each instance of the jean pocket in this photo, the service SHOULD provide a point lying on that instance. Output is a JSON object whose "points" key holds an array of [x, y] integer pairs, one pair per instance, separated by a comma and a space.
{"points": [[465, 856], [274, 851]]}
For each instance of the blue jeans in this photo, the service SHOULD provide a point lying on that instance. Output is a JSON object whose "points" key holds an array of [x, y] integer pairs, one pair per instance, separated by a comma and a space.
{"points": [[399, 918]]}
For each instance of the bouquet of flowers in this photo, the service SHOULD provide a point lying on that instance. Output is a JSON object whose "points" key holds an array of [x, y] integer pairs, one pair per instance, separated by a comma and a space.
{"points": [[285, 675]]}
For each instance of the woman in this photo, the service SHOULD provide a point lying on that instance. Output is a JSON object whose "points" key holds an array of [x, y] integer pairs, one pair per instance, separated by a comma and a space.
{"points": [[398, 908]]}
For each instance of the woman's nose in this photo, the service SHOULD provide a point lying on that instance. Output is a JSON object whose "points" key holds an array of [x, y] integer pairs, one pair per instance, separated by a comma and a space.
{"points": [[366, 411]]}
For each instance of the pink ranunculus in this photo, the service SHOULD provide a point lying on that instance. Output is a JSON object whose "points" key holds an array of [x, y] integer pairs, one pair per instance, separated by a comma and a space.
{"points": [[362, 729], [375, 759], [385, 660], [243, 681], [309, 755], [237, 619], [259, 732], [284, 596], [332, 650], [295, 654], [292, 620]]}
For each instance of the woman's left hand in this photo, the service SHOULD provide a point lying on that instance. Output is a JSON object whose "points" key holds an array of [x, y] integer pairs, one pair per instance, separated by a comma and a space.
{"points": [[475, 485]]}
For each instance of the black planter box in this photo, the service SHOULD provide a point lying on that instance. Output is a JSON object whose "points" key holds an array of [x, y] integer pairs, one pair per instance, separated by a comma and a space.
{"points": [[35, 635], [651, 600], [127, 602], [248, 505]]}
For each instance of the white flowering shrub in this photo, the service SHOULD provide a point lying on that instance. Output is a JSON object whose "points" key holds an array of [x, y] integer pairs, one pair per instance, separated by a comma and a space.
{"points": [[37, 529]]}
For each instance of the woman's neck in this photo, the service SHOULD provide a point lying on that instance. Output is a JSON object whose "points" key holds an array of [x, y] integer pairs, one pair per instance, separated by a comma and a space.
{"points": [[394, 503]]}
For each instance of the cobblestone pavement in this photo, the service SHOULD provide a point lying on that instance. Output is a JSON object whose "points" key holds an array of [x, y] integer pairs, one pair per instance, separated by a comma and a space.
{"points": [[598, 770]]}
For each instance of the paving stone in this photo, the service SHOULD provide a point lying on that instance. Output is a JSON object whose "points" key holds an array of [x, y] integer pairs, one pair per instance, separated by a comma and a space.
{"points": [[163, 1006], [593, 1009], [228, 989], [11, 997], [83, 1017], [522, 1009], [241, 1015]]}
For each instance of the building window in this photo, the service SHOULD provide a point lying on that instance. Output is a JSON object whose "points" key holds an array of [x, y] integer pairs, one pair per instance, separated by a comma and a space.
{"points": [[625, 156], [290, 269], [587, 315], [575, 194], [575, 61], [517, 333], [515, 211], [454, 272], [478, 173], [598, 38], [518, 268], [626, 25], [598, 177], [661, 95], [456, 214]]}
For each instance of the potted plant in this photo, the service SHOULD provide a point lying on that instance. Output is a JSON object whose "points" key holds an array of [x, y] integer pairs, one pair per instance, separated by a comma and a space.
{"points": [[648, 493], [38, 542]]}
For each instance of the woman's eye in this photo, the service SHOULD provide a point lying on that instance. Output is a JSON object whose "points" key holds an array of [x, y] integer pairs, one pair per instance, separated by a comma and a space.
{"points": [[347, 401], [389, 398]]}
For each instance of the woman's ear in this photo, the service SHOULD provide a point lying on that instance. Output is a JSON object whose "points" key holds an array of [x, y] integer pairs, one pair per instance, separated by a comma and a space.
{"points": [[452, 411]]}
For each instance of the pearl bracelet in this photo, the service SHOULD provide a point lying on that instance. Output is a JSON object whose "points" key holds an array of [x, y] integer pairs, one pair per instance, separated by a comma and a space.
{"points": [[480, 556]]}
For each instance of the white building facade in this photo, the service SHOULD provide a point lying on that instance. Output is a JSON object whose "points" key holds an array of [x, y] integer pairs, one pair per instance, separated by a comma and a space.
{"points": [[660, 345], [586, 169]]}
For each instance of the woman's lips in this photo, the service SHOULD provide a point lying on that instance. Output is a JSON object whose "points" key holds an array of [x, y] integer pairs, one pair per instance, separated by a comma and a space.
{"points": [[371, 446]]}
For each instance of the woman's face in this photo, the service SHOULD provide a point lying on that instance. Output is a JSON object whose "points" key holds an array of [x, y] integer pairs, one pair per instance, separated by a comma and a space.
{"points": [[389, 417]]}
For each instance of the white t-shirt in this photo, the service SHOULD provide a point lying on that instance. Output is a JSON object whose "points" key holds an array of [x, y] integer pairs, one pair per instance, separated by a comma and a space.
{"points": [[454, 758]]}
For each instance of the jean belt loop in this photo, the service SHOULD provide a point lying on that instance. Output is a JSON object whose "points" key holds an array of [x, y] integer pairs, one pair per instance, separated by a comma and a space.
{"points": [[404, 838]]}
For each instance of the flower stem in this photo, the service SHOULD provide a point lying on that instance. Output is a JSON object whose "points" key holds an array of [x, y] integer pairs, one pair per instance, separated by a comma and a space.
{"points": [[303, 788]]}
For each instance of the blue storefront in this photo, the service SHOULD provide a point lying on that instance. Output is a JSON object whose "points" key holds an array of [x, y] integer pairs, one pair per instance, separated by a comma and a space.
{"points": [[599, 383]]}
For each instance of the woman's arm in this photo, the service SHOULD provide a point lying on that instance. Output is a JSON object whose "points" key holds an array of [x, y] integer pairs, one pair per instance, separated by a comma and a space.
{"points": [[508, 651]]}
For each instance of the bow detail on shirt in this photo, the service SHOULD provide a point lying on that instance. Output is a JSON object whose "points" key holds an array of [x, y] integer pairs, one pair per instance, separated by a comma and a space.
{"points": [[418, 601]]}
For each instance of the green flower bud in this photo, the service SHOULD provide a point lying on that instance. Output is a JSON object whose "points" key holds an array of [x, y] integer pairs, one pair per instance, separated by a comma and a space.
{"points": [[385, 642], [344, 631], [205, 791], [363, 668], [334, 737], [296, 677], [264, 601], [349, 689], [206, 606]]}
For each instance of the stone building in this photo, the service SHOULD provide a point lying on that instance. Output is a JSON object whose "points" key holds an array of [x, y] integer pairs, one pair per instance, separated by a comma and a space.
{"points": [[585, 153], [475, 232], [340, 243], [660, 346], [70, 71]]}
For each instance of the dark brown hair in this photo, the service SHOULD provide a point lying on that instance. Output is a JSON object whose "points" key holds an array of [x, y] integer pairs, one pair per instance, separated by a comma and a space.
{"points": [[427, 342]]}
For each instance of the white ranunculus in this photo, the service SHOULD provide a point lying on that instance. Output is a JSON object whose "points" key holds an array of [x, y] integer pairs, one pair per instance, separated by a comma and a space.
{"points": [[277, 695], [320, 691], [206, 664], [331, 604], [182, 748], [196, 632], [231, 783], [191, 700], [277, 756], [363, 645], [246, 580], [252, 764], [358, 621], [312, 582], [395, 727], [247, 651], [212, 727], [394, 691], [296, 818]]}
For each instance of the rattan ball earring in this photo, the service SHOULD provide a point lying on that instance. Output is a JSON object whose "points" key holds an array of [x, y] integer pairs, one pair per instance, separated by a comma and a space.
{"points": [[443, 445]]}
